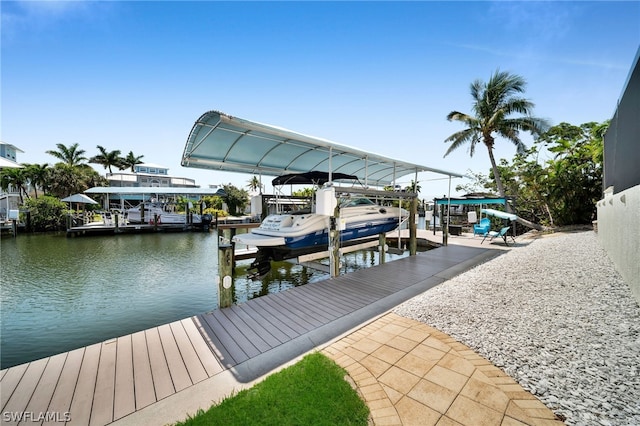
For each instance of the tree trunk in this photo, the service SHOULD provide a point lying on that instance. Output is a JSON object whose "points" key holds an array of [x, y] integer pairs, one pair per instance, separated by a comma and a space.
{"points": [[496, 176], [532, 225]]}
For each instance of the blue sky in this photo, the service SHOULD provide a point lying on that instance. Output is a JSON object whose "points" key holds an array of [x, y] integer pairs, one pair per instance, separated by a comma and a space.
{"points": [[378, 76]]}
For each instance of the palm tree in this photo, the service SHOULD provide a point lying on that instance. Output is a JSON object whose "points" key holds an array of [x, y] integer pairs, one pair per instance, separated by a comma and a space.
{"points": [[107, 159], [493, 104], [413, 187], [71, 155], [15, 179], [131, 160], [37, 174], [254, 183]]}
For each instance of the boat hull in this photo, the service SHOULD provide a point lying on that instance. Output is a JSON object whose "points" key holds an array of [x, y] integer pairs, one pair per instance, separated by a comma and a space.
{"points": [[298, 232], [353, 230]]}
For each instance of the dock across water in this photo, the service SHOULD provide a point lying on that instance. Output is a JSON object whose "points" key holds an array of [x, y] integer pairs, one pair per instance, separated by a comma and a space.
{"points": [[149, 374]]}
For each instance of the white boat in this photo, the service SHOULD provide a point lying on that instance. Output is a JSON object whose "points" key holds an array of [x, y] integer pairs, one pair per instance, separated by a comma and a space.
{"points": [[282, 236], [158, 212], [359, 217]]}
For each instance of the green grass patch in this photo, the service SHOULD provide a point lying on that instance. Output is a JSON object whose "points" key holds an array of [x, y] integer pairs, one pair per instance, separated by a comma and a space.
{"points": [[310, 392]]}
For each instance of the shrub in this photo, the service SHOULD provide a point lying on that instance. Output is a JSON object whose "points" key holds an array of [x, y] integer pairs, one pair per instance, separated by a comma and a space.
{"points": [[47, 213]]}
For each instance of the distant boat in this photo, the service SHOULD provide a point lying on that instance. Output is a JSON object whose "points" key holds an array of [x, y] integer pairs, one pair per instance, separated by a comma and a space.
{"points": [[158, 211]]}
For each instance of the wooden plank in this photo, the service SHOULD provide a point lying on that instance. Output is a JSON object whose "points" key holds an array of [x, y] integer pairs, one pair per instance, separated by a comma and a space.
{"points": [[219, 350], [103, 398], [286, 304], [276, 335], [245, 344], [162, 382], [10, 382], [252, 337], [207, 358], [292, 318], [315, 300], [344, 302], [235, 353], [368, 287], [312, 305], [258, 308], [18, 401], [358, 291], [125, 400], [41, 398], [145, 393], [64, 390], [258, 326], [80, 408], [2, 373], [179, 373], [341, 296], [191, 360]]}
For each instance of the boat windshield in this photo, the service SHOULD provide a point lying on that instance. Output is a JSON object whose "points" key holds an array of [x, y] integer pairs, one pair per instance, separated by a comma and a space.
{"points": [[353, 202]]}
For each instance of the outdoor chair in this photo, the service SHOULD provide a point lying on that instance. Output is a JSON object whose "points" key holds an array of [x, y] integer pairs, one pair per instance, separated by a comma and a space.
{"points": [[482, 228], [502, 234]]}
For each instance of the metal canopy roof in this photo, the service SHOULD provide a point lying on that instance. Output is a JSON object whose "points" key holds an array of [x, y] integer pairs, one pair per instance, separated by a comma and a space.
{"points": [[146, 190], [221, 142]]}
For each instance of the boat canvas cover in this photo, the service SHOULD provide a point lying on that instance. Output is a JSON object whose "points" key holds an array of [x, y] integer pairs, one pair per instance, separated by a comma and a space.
{"points": [[500, 214], [313, 178]]}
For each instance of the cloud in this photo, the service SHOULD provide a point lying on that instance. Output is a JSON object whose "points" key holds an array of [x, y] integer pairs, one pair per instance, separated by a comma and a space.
{"points": [[33, 17], [522, 55]]}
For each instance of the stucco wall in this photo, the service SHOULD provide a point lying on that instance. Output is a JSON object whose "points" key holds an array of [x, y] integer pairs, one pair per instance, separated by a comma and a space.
{"points": [[619, 233]]}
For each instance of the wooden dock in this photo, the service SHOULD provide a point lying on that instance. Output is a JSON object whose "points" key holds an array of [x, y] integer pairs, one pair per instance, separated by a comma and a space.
{"points": [[124, 377]]}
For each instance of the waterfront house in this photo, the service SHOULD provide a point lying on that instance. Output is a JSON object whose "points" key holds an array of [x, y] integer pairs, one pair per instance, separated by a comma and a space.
{"points": [[9, 197]]}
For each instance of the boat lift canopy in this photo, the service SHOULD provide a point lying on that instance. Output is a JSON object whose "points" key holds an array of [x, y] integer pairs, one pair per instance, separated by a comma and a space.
{"points": [[221, 142], [153, 190]]}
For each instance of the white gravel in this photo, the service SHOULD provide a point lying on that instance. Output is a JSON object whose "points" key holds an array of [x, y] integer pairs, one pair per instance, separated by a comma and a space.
{"points": [[557, 317]]}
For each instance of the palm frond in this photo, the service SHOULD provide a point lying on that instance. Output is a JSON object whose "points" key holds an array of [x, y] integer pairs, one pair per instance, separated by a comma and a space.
{"points": [[461, 138]]}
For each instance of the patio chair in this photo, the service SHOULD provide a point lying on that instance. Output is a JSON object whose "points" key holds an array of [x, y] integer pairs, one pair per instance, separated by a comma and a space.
{"points": [[483, 227], [502, 234]]}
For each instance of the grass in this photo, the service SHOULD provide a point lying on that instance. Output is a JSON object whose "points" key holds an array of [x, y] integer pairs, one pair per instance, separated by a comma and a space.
{"points": [[310, 392]]}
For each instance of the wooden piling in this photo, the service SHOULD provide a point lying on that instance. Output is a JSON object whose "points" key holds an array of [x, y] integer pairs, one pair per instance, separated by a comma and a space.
{"points": [[413, 231], [225, 275], [382, 246]]}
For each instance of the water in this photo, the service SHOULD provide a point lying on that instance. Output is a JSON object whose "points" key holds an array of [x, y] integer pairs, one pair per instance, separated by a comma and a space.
{"points": [[60, 293]]}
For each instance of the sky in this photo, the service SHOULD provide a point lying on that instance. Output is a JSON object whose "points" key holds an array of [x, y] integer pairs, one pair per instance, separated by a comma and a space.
{"points": [[377, 76]]}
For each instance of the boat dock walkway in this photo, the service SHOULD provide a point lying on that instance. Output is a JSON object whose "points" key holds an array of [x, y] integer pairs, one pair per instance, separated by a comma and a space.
{"points": [[158, 375]]}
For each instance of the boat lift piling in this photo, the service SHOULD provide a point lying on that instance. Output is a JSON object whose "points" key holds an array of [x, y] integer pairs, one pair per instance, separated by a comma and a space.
{"points": [[225, 275]]}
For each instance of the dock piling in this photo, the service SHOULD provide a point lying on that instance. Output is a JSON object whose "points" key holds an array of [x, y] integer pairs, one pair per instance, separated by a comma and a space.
{"points": [[225, 275]]}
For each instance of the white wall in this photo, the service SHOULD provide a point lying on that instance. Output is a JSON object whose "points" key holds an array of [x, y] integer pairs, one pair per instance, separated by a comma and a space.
{"points": [[619, 233]]}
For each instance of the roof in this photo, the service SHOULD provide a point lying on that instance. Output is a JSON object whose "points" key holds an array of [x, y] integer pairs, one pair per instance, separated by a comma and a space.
{"points": [[79, 198], [222, 142], [152, 165], [137, 190], [15, 148]]}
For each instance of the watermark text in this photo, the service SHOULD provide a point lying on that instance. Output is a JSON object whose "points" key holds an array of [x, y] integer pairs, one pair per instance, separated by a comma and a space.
{"points": [[36, 416]]}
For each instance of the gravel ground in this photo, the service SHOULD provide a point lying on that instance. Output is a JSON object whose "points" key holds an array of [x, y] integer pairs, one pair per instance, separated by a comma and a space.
{"points": [[557, 317]]}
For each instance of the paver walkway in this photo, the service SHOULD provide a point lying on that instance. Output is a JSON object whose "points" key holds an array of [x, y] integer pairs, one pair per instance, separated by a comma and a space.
{"points": [[412, 374]]}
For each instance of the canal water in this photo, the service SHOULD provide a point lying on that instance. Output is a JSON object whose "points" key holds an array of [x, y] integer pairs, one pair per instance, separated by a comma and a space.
{"points": [[60, 293]]}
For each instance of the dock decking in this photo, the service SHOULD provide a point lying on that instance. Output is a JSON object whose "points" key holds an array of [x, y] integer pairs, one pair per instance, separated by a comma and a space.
{"points": [[112, 380]]}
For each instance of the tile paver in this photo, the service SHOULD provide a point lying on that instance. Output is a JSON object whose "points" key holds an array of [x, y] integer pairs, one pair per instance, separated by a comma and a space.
{"points": [[413, 374]]}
